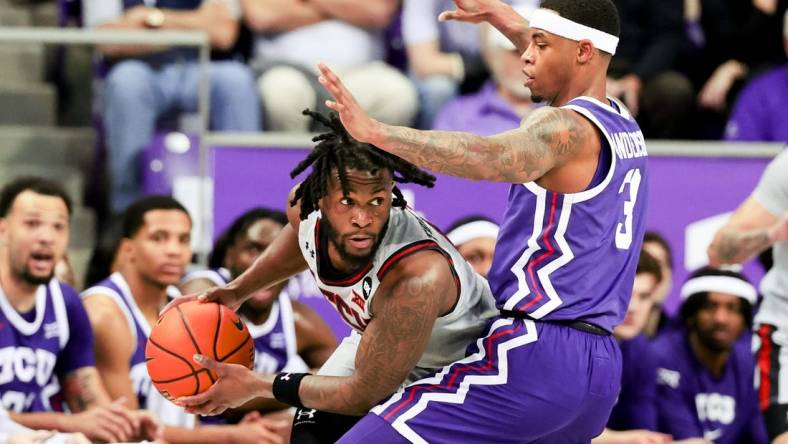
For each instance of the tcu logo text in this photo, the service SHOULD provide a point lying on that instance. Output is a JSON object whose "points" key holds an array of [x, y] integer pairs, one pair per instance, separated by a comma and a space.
{"points": [[715, 407]]}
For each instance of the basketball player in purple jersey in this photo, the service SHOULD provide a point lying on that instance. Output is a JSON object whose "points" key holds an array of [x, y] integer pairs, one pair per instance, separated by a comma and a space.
{"points": [[548, 369], [46, 344], [156, 248]]}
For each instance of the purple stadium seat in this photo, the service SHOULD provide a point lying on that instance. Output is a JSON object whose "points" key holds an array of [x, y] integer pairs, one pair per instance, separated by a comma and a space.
{"points": [[169, 155]]}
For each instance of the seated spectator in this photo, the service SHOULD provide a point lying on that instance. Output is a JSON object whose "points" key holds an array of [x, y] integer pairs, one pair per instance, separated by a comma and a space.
{"points": [[759, 114], [704, 381], [122, 308], [716, 58], [46, 343], [288, 336], [442, 56], [475, 237], [657, 246], [503, 100], [145, 82], [293, 36], [640, 73], [634, 417]]}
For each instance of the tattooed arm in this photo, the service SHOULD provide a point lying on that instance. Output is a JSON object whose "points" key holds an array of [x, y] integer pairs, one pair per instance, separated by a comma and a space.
{"points": [[405, 308], [547, 139], [82, 390], [414, 293], [752, 229]]}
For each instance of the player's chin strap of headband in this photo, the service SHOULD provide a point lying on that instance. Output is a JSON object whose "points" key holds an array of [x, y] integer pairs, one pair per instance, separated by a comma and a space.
{"points": [[720, 284], [555, 24]]}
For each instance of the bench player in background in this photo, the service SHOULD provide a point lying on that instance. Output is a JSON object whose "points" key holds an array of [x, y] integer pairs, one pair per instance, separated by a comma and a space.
{"points": [[156, 248], [46, 343]]}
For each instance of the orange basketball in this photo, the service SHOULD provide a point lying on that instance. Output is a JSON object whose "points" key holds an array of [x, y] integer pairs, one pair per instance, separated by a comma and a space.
{"points": [[191, 328]]}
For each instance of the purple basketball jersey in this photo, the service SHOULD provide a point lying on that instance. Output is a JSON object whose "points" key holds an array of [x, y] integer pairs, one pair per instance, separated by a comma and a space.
{"points": [[117, 288], [275, 346], [219, 277], [636, 407], [573, 256], [35, 352], [694, 403]]}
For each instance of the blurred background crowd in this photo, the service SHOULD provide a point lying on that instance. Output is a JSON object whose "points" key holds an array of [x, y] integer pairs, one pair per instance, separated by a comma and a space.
{"points": [[97, 119]]}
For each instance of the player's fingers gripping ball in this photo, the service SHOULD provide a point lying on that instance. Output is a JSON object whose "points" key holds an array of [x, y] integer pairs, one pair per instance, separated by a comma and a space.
{"points": [[208, 329]]}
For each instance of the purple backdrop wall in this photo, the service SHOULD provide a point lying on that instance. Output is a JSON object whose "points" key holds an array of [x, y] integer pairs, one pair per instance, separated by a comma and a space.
{"points": [[683, 190]]}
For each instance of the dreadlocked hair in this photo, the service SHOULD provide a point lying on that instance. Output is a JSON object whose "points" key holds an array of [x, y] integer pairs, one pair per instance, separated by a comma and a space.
{"points": [[336, 149]]}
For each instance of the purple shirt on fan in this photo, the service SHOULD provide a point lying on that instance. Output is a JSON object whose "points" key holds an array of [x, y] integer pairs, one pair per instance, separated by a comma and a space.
{"points": [[484, 113], [39, 348], [573, 256], [759, 114], [692, 403], [636, 407]]}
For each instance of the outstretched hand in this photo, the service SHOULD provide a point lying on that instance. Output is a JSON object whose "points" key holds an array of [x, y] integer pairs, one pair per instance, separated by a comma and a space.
{"points": [[355, 120], [469, 11], [236, 386]]}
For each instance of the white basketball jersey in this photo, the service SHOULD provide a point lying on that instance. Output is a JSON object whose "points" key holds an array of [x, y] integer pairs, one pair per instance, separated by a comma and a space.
{"points": [[407, 233]]}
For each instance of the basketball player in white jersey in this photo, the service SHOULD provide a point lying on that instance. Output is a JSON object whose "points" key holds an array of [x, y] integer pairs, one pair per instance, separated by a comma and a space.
{"points": [[412, 300], [122, 308]]}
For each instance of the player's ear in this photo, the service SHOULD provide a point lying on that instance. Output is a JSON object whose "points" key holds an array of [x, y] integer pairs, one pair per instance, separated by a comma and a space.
{"points": [[585, 51], [3, 230], [126, 249]]}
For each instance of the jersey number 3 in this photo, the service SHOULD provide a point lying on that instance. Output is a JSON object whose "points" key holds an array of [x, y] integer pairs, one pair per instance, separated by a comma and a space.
{"points": [[624, 229]]}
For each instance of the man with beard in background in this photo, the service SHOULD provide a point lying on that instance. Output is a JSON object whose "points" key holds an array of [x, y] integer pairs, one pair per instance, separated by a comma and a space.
{"points": [[705, 383]]}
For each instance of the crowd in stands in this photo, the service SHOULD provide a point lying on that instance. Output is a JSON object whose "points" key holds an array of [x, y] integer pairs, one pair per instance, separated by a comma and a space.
{"points": [[687, 69]]}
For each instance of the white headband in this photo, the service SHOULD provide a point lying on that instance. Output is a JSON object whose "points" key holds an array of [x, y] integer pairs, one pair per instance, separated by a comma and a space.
{"points": [[473, 230], [555, 24], [720, 284]]}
